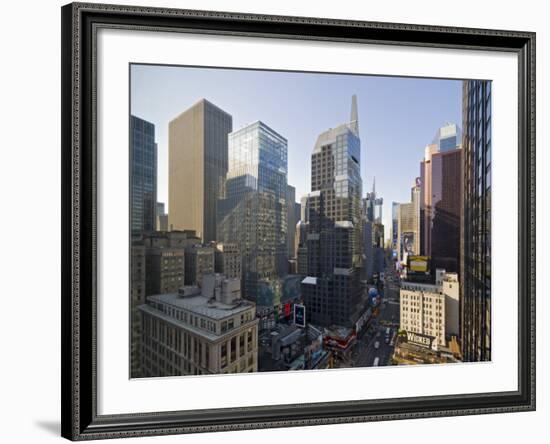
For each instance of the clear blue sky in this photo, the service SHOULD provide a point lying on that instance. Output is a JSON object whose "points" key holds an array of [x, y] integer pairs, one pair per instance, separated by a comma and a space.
{"points": [[398, 116]]}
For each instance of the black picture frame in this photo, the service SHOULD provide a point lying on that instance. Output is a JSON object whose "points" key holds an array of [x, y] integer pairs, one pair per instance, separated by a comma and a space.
{"points": [[80, 22]]}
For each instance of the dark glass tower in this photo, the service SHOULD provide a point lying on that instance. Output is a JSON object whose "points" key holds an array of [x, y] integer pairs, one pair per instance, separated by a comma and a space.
{"points": [[143, 191], [475, 271], [332, 288]]}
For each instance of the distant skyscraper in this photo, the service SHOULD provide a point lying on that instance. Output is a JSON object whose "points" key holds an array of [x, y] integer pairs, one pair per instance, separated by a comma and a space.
{"points": [[447, 137], [408, 229], [254, 213], [291, 220], [394, 225], [369, 203], [197, 167], [143, 190], [162, 218], [441, 182], [475, 270], [332, 287]]}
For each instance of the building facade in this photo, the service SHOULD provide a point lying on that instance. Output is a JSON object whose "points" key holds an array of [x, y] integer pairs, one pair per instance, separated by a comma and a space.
{"points": [[441, 196], [408, 227], [332, 287], [162, 218], [228, 260], [291, 221], [194, 332], [448, 137], [137, 298], [475, 269], [197, 167], [199, 261], [254, 213], [143, 176], [431, 309], [165, 270], [394, 226]]}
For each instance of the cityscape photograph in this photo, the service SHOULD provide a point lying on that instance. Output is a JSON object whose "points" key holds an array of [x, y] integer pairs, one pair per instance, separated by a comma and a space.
{"points": [[284, 220]]}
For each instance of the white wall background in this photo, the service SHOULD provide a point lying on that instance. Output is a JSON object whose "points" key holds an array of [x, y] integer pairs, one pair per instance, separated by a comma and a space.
{"points": [[30, 222]]}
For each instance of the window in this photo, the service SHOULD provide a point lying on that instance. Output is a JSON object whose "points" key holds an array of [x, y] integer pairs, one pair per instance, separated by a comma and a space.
{"points": [[224, 355], [233, 349], [241, 345]]}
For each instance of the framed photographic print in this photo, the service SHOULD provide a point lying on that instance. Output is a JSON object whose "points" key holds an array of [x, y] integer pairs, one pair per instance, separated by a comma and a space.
{"points": [[277, 221]]}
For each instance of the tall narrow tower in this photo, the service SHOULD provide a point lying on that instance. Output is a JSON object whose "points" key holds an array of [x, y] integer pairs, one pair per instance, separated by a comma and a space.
{"points": [[334, 242], [198, 167]]}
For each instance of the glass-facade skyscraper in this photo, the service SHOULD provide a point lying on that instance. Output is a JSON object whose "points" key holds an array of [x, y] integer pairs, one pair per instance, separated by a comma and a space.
{"points": [[447, 137], [254, 212], [143, 190], [475, 267], [332, 287]]}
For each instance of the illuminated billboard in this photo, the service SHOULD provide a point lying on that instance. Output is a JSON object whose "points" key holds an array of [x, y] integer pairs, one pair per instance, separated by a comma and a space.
{"points": [[419, 264], [300, 315], [407, 245]]}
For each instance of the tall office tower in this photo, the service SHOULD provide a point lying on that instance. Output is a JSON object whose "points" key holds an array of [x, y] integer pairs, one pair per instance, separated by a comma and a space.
{"points": [[475, 270], [303, 208], [369, 203], [426, 199], [441, 183], [143, 190], [447, 138], [368, 251], [332, 289], [291, 221], [197, 167], [372, 206], [254, 212], [408, 227], [394, 225], [378, 202]]}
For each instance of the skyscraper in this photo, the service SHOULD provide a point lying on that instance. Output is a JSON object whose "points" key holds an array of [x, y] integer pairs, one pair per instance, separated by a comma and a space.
{"points": [[254, 212], [475, 270], [408, 227], [197, 167], [291, 220], [162, 218], [394, 225], [441, 182], [334, 241], [143, 190], [447, 137]]}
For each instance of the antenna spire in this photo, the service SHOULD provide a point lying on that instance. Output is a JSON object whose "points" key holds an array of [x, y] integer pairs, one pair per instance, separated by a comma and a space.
{"points": [[354, 122]]}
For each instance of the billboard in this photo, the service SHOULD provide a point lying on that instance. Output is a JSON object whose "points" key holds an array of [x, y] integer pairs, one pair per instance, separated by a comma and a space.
{"points": [[419, 339], [407, 240], [419, 264], [300, 315]]}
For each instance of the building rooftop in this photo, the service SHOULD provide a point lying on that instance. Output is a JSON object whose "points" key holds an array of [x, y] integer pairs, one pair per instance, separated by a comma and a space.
{"points": [[202, 305]]}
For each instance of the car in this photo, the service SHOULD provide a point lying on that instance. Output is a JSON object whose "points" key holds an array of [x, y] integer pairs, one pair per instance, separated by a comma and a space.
{"points": [[377, 345]]}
